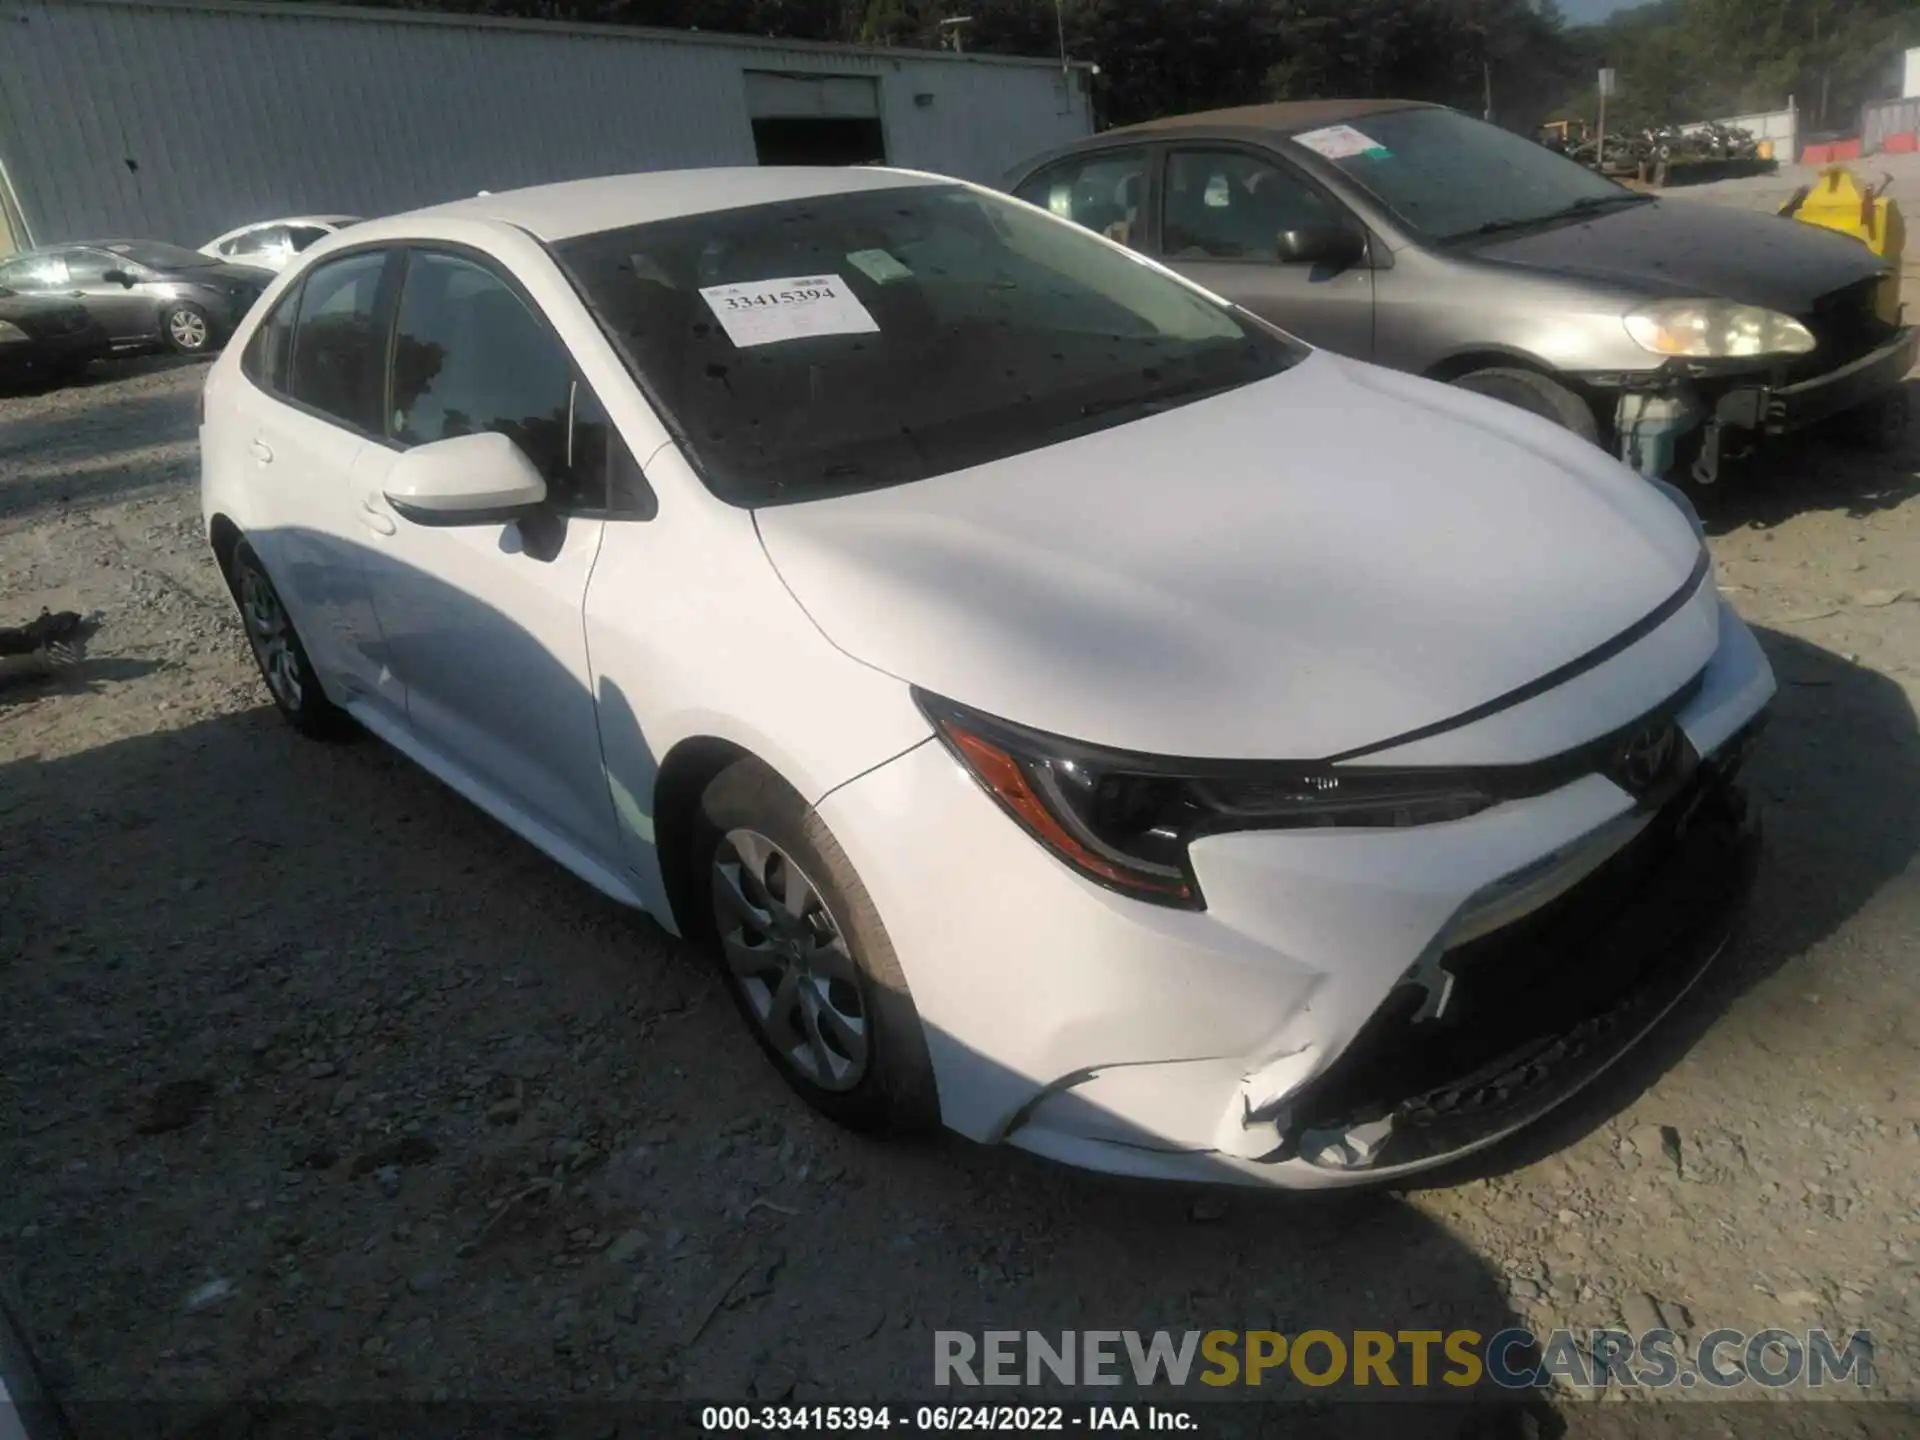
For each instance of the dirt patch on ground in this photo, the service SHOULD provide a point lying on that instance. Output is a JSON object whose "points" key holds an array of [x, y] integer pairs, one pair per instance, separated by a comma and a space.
{"points": [[318, 1083]]}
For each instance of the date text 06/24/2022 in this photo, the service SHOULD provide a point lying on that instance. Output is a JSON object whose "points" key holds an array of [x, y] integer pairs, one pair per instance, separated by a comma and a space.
{"points": [[942, 1419]]}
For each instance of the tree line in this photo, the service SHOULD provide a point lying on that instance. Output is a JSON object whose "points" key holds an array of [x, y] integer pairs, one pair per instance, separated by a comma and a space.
{"points": [[1684, 60], [1517, 60]]}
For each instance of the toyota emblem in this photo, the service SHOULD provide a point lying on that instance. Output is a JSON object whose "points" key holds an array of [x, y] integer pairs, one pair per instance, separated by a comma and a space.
{"points": [[1647, 756]]}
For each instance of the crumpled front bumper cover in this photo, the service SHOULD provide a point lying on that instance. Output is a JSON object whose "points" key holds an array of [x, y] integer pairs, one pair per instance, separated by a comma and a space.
{"points": [[1783, 409], [1543, 1005]]}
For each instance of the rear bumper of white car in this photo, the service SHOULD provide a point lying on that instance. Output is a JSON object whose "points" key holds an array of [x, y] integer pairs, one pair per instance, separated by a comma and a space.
{"points": [[1351, 1005]]}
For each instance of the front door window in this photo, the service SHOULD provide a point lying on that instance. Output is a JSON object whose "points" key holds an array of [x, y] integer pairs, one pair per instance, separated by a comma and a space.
{"points": [[1229, 205]]}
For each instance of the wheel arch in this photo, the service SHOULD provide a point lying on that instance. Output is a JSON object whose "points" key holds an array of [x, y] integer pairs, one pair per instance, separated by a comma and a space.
{"points": [[225, 537], [1492, 357], [1484, 357], [689, 767]]}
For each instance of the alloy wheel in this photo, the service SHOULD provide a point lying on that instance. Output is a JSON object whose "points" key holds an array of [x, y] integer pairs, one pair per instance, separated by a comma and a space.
{"points": [[790, 960], [188, 329], [271, 635]]}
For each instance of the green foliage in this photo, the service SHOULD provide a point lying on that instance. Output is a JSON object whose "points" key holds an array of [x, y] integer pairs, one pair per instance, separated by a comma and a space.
{"points": [[1694, 59]]}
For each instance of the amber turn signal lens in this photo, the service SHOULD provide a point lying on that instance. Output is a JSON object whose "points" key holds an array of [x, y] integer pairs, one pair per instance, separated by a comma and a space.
{"points": [[1006, 781]]}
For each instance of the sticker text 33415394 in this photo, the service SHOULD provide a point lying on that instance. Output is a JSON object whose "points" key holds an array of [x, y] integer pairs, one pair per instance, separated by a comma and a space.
{"points": [[794, 307]]}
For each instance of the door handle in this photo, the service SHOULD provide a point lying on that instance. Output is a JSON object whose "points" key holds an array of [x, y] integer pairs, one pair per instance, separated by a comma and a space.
{"points": [[375, 518], [261, 451]]}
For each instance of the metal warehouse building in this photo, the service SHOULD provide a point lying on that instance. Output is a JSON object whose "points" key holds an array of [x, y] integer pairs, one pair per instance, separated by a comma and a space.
{"points": [[179, 119]]}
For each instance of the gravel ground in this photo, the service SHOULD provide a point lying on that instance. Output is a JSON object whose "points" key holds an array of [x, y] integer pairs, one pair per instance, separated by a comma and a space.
{"points": [[316, 1083], [1770, 192]]}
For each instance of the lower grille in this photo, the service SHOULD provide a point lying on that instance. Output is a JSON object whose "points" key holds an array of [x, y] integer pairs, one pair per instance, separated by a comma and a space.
{"points": [[1541, 1005], [1847, 324]]}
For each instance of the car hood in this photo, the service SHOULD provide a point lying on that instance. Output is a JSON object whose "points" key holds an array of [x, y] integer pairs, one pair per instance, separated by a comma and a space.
{"points": [[1693, 248], [1325, 560]]}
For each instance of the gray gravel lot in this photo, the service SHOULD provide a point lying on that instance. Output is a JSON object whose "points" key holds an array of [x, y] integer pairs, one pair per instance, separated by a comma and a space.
{"points": [[316, 1083]]}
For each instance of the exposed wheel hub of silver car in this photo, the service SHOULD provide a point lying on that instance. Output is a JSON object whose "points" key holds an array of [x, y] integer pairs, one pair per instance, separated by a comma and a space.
{"points": [[790, 960], [271, 635], [188, 329]]}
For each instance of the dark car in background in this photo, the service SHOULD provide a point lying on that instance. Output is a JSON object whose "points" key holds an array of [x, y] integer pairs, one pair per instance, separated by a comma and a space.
{"points": [[46, 341], [1427, 241], [146, 294]]}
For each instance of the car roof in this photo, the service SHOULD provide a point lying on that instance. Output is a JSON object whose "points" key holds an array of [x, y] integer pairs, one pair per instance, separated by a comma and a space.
{"points": [[612, 202], [1285, 118], [112, 241], [295, 220]]}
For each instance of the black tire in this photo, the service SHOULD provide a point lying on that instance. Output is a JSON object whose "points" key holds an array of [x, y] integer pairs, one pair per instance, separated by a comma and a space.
{"points": [[1533, 391], [893, 1090], [187, 329], [291, 682]]}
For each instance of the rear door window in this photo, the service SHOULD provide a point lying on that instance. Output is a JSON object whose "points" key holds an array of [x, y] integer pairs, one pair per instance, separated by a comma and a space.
{"points": [[264, 361], [338, 362], [36, 274], [261, 240], [1105, 192]]}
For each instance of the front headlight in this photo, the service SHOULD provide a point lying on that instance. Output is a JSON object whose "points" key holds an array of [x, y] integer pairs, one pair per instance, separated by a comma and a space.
{"points": [[11, 331], [1125, 820], [1716, 330]]}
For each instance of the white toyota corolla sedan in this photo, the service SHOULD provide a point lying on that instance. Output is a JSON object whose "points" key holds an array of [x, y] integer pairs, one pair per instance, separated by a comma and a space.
{"points": [[1067, 708]]}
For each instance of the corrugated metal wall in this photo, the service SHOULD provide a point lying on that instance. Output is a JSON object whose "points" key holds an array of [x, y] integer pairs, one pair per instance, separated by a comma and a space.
{"points": [[180, 120], [1885, 118]]}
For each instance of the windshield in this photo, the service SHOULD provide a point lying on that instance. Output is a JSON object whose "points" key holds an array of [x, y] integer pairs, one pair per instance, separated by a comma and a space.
{"points": [[1447, 176], [157, 254], [817, 347]]}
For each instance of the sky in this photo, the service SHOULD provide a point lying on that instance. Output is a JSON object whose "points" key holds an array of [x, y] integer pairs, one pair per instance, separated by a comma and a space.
{"points": [[1584, 12]]}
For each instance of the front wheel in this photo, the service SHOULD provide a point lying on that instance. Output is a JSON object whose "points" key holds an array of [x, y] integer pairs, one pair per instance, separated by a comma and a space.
{"points": [[1533, 391], [186, 328], [805, 957], [290, 676]]}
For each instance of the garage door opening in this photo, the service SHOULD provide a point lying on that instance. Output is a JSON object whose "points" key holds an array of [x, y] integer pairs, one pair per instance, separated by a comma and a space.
{"points": [[810, 140], [815, 119]]}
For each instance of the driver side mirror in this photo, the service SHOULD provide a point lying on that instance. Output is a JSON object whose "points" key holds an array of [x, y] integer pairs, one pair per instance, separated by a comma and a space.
{"points": [[1334, 245], [120, 277], [482, 479]]}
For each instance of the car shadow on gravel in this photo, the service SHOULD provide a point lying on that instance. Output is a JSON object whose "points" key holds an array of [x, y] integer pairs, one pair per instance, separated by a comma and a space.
{"points": [[1835, 775], [118, 448], [82, 677], [289, 922], [1827, 468], [302, 1013], [99, 375]]}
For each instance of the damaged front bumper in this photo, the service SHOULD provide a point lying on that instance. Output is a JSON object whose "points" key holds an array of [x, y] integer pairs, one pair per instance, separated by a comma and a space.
{"points": [[1653, 413], [1352, 1004]]}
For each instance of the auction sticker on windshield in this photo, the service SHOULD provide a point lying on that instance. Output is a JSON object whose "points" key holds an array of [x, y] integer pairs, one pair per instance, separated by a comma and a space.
{"points": [[1340, 142], [798, 307]]}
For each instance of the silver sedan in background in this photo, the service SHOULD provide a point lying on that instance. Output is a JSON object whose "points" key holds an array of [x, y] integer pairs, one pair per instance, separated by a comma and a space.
{"points": [[1415, 237]]}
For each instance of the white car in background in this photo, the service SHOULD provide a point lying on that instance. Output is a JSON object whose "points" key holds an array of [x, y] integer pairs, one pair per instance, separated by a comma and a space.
{"points": [[1066, 707], [272, 244]]}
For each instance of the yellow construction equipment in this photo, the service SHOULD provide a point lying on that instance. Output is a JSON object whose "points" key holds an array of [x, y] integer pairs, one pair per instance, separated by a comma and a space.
{"points": [[1836, 201]]}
